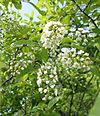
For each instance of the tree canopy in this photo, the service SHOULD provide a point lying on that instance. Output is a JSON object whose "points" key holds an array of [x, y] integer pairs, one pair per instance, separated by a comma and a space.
{"points": [[50, 67]]}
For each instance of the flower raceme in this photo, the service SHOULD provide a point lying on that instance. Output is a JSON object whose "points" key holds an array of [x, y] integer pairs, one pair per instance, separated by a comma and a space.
{"points": [[60, 64], [53, 33]]}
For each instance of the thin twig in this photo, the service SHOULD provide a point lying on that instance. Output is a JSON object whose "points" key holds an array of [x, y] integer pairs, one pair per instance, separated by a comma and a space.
{"points": [[7, 81], [87, 5], [85, 13]]}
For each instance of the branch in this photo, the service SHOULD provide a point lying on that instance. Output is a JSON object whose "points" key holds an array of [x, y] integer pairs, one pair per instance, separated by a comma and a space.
{"points": [[6, 81], [87, 5], [9, 79], [85, 13]]}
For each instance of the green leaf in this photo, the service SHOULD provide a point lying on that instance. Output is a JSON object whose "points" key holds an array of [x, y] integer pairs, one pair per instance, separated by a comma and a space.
{"points": [[25, 49], [27, 70], [66, 40], [96, 30], [95, 70], [35, 37], [66, 19], [39, 107], [40, 11], [53, 102], [20, 43], [95, 111], [17, 4], [77, 47], [44, 54], [2, 65], [51, 114]]}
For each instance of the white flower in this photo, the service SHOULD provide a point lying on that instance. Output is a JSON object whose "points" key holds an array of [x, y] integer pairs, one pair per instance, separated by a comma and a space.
{"points": [[22, 68], [85, 31], [64, 50], [56, 92], [39, 81], [45, 90], [20, 55], [86, 54], [73, 50], [72, 29], [92, 35], [40, 90], [80, 52], [51, 76], [77, 33], [39, 72], [50, 97], [47, 82], [54, 81], [52, 86], [81, 59], [44, 98], [53, 32], [45, 72]]}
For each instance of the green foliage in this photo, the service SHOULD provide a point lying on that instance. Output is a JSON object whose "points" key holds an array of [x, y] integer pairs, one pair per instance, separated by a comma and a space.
{"points": [[95, 111], [50, 67]]}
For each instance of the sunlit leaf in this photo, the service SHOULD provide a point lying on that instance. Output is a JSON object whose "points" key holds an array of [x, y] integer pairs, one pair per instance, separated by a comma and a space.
{"points": [[53, 102]]}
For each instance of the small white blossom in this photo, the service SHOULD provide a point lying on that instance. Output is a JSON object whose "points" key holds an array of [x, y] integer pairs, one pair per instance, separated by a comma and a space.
{"points": [[40, 90], [45, 90], [45, 72], [50, 97], [64, 50], [39, 81], [47, 82], [80, 52], [56, 92], [51, 76], [44, 98], [52, 86]]}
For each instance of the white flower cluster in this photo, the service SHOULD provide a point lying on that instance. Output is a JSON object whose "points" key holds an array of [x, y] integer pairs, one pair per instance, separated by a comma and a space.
{"points": [[52, 34], [21, 62], [61, 64], [48, 75], [81, 36], [70, 58], [47, 79]]}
